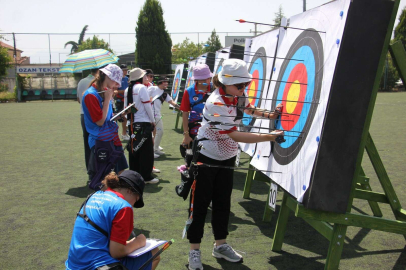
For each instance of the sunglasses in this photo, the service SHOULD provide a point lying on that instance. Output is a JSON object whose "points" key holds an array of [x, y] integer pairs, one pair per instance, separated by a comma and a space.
{"points": [[241, 86]]}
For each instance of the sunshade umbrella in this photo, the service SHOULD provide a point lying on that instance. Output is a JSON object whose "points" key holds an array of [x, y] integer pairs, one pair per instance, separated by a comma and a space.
{"points": [[88, 59]]}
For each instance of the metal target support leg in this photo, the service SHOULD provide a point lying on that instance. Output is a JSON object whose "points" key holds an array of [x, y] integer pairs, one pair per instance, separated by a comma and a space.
{"points": [[178, 115]]}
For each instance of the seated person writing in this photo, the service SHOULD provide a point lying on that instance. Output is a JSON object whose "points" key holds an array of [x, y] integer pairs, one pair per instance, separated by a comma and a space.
{"points": [[105, 222]]}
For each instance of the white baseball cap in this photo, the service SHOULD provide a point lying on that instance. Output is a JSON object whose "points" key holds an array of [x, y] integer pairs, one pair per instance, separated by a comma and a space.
{"points": [[237, 69]]}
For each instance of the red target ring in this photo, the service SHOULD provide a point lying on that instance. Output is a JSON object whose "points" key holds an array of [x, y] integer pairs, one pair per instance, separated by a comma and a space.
{"points": [[293, 96], [253, 88]]}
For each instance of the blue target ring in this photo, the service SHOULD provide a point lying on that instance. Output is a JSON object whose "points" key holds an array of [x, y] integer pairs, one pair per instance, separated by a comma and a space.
{"points": [[254, 90], [176, 85], [306, 54], [300, 98]]}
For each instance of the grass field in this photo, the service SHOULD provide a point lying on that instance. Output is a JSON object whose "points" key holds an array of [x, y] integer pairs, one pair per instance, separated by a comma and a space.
{"points": [[43, 184]]}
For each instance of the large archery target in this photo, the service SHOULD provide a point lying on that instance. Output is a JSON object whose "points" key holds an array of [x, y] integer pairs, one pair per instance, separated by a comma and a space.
{"points": [[176, 85], [254, 90], [299, 99]]}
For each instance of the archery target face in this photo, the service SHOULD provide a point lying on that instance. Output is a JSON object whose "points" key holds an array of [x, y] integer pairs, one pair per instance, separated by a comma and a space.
{"points": [[219, 66], [257, 69], [176, 85], [298, 89]]}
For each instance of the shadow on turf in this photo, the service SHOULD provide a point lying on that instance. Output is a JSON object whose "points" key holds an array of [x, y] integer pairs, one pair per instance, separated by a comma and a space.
{"points": [[80, 192], [224, 266]]}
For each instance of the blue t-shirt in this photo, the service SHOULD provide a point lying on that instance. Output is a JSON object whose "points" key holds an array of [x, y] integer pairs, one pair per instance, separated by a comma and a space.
{"points": [[124, 85], [109, 130], [89, 248]]}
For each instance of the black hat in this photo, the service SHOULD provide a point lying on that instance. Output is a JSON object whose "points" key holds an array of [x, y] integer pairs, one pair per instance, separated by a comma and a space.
{"points": [[163, 79], [136, 182], [123, 66], [149, 72]]}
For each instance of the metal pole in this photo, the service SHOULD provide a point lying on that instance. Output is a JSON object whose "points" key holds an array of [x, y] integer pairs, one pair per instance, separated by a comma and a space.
{"points": [[15, 66], [49, 43], [198, 48], [255, 32], [304, 5]]}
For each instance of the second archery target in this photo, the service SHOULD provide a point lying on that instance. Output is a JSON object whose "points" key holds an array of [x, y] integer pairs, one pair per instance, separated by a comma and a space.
{"points": [[257, 69], [298, 88]]}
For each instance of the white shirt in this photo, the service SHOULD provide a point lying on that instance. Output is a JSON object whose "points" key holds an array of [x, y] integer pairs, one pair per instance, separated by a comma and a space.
{"points": [[219, 145], [142, 102], [83, 85], [157, 104]]}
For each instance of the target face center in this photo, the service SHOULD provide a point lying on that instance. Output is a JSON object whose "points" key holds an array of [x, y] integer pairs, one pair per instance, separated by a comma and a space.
{"points": [[293, 97]]}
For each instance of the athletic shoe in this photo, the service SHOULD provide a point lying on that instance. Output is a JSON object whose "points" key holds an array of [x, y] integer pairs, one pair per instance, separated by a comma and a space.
{"points": [[194, 260], [226, 252], [125, 137], [159, 152], [160, 148], [155, 170], [152, 181], [156, 155]]}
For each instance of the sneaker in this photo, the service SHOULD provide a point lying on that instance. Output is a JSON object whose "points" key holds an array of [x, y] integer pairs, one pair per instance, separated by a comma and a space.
{"points": [[194, 260], [125, 137], [152, 181], [155, 170], [160, 148], [156, 155], [226, 252], [159, 152]]}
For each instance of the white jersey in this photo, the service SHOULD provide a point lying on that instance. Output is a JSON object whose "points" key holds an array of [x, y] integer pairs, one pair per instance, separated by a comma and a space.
{"points": [[157, 104], [142, 101], [219, 145]]}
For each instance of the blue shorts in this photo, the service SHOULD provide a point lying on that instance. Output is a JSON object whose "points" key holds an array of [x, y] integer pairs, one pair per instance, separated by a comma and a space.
{"points": [[136, 263]]}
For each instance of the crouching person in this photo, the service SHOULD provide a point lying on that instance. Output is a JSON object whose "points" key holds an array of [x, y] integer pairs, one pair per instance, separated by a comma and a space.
{"points": [[105, 222]]}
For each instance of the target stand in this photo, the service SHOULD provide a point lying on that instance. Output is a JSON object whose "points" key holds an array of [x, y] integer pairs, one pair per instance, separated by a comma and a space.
{"points": [[327, 209]]}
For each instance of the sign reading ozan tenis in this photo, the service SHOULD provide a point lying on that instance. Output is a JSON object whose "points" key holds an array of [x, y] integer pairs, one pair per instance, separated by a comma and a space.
{"points": [[37, 69]]}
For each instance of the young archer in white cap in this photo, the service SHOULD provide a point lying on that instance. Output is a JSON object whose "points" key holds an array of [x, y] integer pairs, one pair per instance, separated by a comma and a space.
{"points": [[220, 147], [97, 112]]}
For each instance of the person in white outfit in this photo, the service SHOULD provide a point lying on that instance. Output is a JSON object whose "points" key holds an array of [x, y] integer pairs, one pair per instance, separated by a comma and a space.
{"points": [[159, 96]]}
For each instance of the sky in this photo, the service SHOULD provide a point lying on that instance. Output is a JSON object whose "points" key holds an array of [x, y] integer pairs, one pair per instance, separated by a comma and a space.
{"points": [[183, 18]]}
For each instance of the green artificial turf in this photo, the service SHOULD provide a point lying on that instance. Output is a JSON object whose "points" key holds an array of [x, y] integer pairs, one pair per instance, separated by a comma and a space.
{"points": [[43, 181]]}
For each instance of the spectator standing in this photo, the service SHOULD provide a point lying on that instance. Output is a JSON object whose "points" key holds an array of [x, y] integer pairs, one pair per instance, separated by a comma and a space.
{"points": [[83, 85]]}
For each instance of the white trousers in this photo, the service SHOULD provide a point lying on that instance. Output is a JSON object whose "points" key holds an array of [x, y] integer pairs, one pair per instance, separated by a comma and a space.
{"points": [[159, 132]]}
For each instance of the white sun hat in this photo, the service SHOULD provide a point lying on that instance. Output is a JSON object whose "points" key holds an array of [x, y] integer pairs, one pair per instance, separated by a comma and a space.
{"points": [[234, 71], [114, 72]]}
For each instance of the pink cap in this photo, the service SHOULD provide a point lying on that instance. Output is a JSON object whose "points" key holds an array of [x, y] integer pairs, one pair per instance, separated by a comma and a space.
{"points": [[201, 72]]}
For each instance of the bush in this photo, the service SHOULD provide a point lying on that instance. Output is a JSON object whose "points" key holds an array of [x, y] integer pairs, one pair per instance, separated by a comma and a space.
{"points": [[7, 96], [3, 87]]}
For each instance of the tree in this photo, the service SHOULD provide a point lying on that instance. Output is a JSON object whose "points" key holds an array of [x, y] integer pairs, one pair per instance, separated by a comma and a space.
{"points": [[154, 44], [94, 43], [75, 45], [400, 30], [5, 61], [213, 42], [278, 17], [183, 52], [390, 75]]}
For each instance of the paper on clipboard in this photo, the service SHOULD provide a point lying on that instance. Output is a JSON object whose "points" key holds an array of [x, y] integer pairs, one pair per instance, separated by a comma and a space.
{"points": [[150, 245], [120, 113]]}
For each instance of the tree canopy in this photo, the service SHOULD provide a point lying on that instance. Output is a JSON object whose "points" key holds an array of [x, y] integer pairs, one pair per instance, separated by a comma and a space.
{"points": [[400, 30], [183, 52], [5, 61], [94, 43], [154, 44], [74, 44], [213, 43], [278, 17]]}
